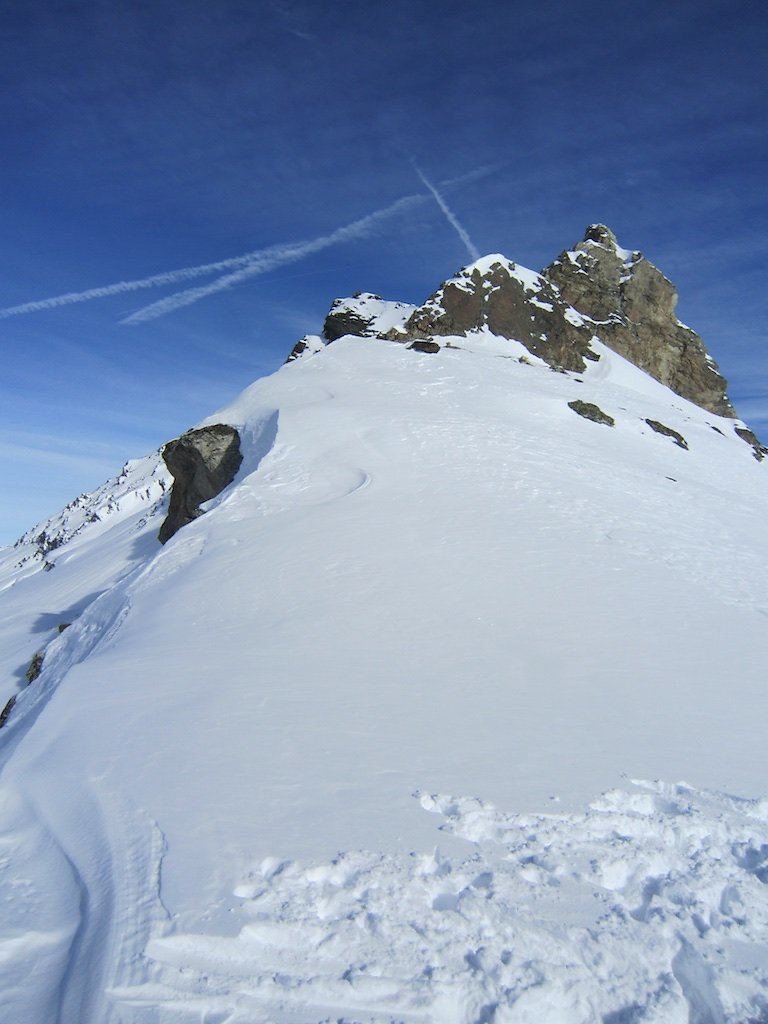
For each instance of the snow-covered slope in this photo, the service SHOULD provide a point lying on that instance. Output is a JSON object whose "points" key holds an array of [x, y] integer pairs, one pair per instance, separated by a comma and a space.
{"points": [[434, 596], [56, 569]]}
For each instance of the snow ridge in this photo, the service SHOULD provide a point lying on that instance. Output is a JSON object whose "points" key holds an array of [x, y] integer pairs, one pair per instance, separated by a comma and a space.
{"points": [[141, 484]]}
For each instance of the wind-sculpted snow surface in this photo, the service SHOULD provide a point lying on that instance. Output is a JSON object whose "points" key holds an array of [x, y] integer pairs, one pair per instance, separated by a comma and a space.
{"points": [[428, 574], [651, 906]]}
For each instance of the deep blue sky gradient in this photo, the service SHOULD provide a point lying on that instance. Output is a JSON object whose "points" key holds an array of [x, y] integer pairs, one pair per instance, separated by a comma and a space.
{"points": [[142, 136]]}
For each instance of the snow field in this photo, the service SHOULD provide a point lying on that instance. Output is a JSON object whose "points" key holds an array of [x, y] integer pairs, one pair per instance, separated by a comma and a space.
{"points": [[650, 906], [430, 575]]}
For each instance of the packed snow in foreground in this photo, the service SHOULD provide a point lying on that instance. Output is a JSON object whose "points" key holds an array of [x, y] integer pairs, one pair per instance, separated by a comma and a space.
{"points": [[651, 906], [430, 576]]}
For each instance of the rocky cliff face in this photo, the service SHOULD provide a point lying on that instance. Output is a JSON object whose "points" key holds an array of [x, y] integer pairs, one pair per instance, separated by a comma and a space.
{"points": [[509, 301], [630, 305]]}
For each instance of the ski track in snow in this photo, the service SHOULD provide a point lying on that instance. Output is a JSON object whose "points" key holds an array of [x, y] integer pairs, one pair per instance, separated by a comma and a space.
{"points": [[651, 906], [79, 925]]}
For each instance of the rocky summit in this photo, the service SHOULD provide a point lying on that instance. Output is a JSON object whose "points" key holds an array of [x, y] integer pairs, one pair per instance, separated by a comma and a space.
{"points": [[594, 290], [631, 306]]}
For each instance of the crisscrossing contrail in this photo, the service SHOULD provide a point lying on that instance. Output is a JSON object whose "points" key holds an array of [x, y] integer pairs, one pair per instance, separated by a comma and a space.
{"points": [[249, 264], [450, 216]]}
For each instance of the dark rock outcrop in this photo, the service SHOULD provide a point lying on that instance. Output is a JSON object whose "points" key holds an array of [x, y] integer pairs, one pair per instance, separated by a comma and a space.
{"points": [[424, 346], [661, 428], [590, 411], [511, 302], [759, 450], [203, 462], [364, 315], [35, 666], [297, 351], [632, 308], [305, 346], [6, 711], [342, 320]]}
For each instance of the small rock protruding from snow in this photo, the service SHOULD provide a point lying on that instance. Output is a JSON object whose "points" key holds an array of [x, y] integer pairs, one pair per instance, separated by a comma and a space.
{"points": [[306, 346], [759, 450], [590, 411], [661, 428]]}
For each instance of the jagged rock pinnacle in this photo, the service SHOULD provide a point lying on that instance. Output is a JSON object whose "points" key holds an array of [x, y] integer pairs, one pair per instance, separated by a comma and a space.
{"points": [[631, 305]]}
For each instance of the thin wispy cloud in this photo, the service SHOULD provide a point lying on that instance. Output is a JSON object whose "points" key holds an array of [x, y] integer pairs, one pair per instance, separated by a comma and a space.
{"points": [[120, 287], [450, 216], [270, 259], [239, 268], [47, 454], [250, 264]]}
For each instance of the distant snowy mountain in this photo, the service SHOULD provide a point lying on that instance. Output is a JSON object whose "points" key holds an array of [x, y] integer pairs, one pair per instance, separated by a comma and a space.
{"points": [[357, 742]]}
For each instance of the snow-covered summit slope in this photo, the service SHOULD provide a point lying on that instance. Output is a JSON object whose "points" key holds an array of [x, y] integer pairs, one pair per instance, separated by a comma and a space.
{"points": [[430, 574]]}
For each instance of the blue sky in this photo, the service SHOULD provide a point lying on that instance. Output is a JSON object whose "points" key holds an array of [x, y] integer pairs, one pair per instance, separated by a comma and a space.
{"points": [[144, 136]]}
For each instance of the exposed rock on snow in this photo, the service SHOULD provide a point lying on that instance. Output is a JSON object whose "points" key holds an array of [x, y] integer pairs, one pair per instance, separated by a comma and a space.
{"points": [[424, 346], [7, 710], [759, 450], [203, 462], [632, 308], [676, 436], [590, 411], [364, 315], [35, 666], [509, 301], [595, 289], [305, 346]]}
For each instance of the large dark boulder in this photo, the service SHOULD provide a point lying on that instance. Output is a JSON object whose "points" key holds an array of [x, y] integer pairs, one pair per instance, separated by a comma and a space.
{"points": [[203, 462]]}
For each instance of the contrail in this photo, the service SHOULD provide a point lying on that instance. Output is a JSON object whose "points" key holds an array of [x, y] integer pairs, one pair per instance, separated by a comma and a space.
{"points": [[155, 281], [256, 262], [250, 264], [450, 216], [269, 259], [277, 256]]}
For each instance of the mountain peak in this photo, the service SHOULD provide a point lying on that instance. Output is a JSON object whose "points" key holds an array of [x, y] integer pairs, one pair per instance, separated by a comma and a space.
{"points": [[631, 307], [602, 235], [596, 290]]}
